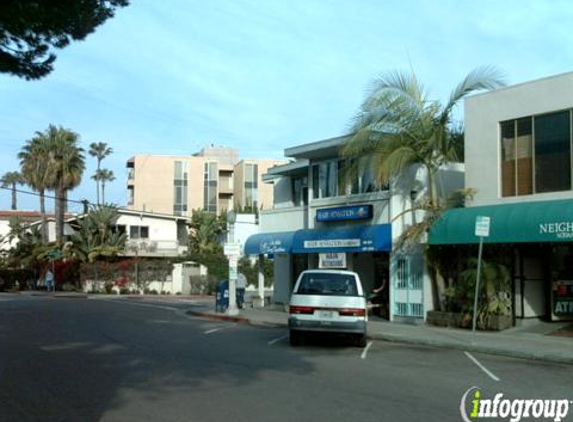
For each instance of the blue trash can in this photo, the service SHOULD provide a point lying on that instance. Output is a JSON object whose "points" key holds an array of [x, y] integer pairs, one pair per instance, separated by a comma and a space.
{"points": [[222, 297]]}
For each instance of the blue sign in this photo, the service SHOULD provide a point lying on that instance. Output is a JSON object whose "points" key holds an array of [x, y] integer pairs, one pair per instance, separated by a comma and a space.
{"points": [[353, 212]]}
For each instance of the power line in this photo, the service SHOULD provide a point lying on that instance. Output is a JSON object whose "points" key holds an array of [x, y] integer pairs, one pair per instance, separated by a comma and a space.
{"points": [[83, 202]]}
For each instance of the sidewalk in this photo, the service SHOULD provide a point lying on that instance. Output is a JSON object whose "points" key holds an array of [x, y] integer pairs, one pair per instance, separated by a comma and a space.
{"points": [[519, 342]]}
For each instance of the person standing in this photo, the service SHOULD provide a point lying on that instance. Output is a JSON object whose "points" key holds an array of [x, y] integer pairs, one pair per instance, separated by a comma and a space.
{"points": [[241, 286], [50, 281]]}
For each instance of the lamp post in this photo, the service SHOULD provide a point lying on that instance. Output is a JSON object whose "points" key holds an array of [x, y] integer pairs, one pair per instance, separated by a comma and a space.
{"points": [[232, 255]]}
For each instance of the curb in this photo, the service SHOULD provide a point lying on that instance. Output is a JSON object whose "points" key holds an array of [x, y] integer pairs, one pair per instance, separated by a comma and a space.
{"points": [[222, 317], [519, 354], [469, 347]]}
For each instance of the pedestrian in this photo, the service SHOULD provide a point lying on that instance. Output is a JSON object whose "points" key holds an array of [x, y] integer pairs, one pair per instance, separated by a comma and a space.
{"points": [[241, 286], [49, 281]]}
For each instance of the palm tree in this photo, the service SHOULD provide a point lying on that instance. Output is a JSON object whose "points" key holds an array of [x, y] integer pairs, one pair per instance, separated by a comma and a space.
{"points": [[34, 163], [399, 125], [99, 150], [11, 179], [102, 176], [65, 169], [96, 237]]}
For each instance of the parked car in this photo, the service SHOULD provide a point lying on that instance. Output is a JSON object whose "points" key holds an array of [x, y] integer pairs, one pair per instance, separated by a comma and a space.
{"points": [[328, 301]]}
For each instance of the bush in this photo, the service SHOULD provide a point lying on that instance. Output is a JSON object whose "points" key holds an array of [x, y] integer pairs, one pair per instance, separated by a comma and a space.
{"points": [[203, 285], [9, 276]]}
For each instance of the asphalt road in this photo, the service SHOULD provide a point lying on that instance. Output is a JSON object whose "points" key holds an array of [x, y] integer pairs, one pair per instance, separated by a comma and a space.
{"points": [[95, 360]]}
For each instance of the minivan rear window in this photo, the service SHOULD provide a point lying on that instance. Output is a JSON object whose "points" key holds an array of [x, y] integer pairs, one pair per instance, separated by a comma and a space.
{"points": [[327, 285]]}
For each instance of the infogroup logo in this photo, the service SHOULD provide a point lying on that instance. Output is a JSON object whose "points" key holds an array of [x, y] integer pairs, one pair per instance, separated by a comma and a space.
{"points": [[513, 409]]}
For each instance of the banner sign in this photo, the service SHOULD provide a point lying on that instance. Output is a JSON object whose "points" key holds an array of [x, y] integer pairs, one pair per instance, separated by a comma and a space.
{"points": [[562, 292], [353, 212], [332, 260]]}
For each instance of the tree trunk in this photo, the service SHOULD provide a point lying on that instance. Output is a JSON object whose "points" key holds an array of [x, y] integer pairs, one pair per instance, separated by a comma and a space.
{"points": [[97, 180], [97, 184], [44, 228], [59, 209], [14, 204], [102, 192]]}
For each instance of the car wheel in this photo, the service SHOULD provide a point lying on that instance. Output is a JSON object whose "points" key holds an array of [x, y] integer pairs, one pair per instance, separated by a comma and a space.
{"points": [[295, 338], [360, 340]]}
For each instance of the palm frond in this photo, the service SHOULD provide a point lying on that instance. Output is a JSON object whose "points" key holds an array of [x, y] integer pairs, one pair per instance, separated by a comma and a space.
{"points": [[481, 78]]}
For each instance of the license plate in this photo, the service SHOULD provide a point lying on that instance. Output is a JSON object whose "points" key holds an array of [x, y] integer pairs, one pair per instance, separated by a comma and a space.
{"points": [[325, 314]]}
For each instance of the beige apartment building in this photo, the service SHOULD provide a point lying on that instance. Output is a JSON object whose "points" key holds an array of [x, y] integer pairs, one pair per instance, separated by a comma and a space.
{"points": [[213, 180]]}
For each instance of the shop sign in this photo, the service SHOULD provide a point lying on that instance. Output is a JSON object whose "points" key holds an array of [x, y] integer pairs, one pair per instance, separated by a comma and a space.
{"points": [[232, 249], [561, 230], [563, 298], [272, 246], [353, 212], [332, 260], [332, 243]]}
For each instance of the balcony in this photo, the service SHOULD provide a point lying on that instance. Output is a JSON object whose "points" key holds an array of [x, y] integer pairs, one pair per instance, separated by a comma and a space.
{"points": [[154, 248]]}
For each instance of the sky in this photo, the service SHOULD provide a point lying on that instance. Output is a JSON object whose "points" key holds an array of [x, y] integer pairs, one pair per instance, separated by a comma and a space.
{"points": [[262, 75]]}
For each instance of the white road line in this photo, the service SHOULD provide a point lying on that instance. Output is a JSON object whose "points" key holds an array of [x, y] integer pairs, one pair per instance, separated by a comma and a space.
{"points": [[270, 343], [365, 351], [214, 330], [483, 368], [145, 305]]}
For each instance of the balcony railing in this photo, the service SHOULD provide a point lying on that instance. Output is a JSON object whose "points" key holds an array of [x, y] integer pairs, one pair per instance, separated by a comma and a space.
{"points": [[147, 247]]}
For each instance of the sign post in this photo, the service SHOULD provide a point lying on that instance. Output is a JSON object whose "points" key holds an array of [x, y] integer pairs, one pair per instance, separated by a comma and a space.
{"points": [[482, 230], [232, 250]]}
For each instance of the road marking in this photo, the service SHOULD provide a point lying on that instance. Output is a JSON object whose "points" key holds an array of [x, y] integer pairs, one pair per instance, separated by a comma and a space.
{"points": [[270, 343], [214, 330], [145, 305], [483, 368], [365, 351]]}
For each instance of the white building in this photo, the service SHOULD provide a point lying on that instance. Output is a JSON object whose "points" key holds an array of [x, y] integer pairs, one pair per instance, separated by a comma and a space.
{"points": [[518, 149], [322, 220]]}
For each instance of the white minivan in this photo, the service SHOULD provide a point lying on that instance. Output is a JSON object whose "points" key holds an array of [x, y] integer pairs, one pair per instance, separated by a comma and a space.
{"points": [[328, 301]]}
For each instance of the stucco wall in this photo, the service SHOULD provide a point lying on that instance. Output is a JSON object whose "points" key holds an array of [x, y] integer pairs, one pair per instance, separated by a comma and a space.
{"points": [[483, 113]]}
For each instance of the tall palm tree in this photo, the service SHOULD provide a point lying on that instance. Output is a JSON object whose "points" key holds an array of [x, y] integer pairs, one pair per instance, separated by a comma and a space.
{"points": [[11, 179], [399, 125], [34, 163], [65, 169], [103, 176], [99, 150]]}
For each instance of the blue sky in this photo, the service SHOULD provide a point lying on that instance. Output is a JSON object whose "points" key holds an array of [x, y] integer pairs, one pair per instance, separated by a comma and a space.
{"points": [[169, 77]]}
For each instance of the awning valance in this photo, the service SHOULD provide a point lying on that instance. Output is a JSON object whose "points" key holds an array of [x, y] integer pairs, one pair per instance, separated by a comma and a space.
{"points": [[354, 238], [269, 243], [540, 221]]}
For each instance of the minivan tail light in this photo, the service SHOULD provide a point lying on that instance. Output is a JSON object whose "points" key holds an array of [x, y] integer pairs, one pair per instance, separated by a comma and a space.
{"points": [[301, 310], [352, 312]]}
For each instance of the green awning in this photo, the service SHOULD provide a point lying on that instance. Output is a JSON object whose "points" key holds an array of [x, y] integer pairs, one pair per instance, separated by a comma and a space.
{"points": [[541, 221]]}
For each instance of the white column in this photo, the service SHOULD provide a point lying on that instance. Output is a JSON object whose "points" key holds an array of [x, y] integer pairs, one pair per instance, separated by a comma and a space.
{"points": [[232, 309], [261, 280]]}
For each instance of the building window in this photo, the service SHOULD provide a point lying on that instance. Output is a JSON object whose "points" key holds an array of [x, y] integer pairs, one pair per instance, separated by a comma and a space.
{"points": [[130, 196], [536, 154], [552, 152], [325, 179], [180, 181], [139, 232], [251, 186], [343, 177], [210, 176], [299, 190]]}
